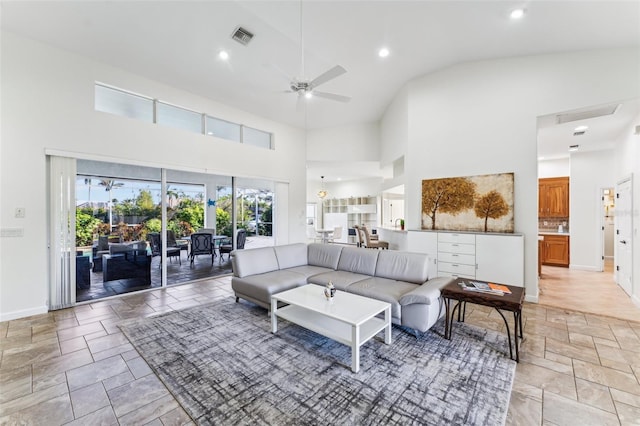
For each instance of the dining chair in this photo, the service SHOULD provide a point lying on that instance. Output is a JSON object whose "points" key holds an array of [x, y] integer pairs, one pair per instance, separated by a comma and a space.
{"points": [[370, 243], [335, 235]]}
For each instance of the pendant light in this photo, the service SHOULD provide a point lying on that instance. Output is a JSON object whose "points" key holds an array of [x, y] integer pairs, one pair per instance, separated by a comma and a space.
{"points": [[323, 192]]}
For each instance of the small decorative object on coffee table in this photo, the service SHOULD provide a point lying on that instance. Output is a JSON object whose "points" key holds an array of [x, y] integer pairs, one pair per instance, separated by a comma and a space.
{"points": [[498, 296], [329, 291]]}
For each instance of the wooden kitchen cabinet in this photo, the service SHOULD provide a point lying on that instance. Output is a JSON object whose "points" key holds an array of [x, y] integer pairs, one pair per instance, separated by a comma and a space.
{"points": [[555, 250], [553, 197]]}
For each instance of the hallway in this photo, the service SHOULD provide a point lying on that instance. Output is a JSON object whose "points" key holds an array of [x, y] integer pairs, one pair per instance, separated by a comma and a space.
{"points": [[585, 291]]}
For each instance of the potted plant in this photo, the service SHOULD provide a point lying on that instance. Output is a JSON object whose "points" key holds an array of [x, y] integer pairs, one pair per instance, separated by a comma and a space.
{"points": [[402, 224]]}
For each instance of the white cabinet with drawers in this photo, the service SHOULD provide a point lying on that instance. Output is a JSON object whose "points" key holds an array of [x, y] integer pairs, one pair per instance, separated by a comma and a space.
{"points": [[456, 255], [487, 257]]}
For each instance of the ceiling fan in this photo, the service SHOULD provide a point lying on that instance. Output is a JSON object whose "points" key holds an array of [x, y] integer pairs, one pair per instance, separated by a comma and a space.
{"points": [[307, 88]]}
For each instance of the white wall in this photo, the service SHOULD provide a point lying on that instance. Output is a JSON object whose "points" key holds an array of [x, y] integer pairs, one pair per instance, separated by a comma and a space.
{"points": [[481, 117], [554, 168], [394, 128], [627, 162], [358, 142], [590, 171], [48, 103]]}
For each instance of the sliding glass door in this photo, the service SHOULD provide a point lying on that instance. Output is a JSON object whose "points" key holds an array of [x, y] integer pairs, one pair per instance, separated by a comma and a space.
{"points": [[133, 225]]}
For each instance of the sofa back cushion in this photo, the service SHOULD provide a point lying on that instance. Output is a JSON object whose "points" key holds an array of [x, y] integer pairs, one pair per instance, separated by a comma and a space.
{"points": [[254, 261], [291, 255], [325, 255], [358, 260], [403, 266]]}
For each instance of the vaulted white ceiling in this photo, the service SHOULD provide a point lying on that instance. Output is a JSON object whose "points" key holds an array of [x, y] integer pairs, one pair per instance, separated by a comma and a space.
{"points": [[177, 43]]}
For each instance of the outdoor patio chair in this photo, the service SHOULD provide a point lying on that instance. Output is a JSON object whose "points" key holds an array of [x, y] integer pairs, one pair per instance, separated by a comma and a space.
{"points": [[156, 247], [100, 249], [202, 243], [227, 247], [173, 242]]}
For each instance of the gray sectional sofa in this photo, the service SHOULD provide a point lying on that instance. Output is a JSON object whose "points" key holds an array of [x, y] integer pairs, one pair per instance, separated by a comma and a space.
{"points": [[400, 278]]}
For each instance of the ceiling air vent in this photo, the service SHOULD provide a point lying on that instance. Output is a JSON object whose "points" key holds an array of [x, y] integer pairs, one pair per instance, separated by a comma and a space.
{"points": [[579, 133], [586, 114], [242, 36]]}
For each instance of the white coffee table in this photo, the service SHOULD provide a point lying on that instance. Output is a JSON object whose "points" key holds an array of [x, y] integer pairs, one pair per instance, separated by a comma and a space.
{"points": [[348, 318]]}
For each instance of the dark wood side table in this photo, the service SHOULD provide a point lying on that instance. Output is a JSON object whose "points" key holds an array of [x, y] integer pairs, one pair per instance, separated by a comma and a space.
{"points": [[508, 302]]}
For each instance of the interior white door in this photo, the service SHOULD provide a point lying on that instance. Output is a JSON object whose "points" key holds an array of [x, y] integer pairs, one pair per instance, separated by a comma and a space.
{"points": [[624, 235]]}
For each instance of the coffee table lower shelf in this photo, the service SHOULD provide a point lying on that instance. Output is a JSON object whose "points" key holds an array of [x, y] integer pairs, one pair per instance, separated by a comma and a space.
{"points": [[332, 328]]}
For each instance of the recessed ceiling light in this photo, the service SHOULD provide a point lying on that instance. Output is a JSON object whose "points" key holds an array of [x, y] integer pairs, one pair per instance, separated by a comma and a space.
{"points": [[383, 53], [224, 55], [573, 148], [580, 128], [517, 13]]}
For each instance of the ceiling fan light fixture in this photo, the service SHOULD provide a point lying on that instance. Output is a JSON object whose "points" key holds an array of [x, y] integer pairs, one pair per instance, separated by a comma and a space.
{"points": [[517, 13], [308, 95]]}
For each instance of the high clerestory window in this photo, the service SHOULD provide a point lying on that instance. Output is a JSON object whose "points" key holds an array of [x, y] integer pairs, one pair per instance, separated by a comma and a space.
{"points": [[120, 102]]}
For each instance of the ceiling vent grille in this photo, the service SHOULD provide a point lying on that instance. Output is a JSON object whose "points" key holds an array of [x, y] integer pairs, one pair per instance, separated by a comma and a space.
{"points": [[586, 114], [579, 133], [242, 36]]}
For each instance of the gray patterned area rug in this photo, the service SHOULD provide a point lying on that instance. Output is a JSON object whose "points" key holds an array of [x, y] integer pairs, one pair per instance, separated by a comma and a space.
{"points": [[225, 367]]}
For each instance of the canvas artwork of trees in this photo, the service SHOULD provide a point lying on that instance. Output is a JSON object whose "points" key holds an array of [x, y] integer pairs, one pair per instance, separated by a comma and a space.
{"points": [[474, 203]]}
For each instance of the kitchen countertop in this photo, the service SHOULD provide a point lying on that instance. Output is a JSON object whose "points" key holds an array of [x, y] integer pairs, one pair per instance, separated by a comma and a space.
{"points": [[553, 233]]}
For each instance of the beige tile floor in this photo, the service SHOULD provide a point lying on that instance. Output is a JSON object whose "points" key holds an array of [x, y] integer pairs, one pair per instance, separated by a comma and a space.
{"points": [[75, 367]]}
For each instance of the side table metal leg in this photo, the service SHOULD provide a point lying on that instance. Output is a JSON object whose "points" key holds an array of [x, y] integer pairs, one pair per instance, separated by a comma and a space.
{"points": [[508, 332], [447, 307], [517, 323]]}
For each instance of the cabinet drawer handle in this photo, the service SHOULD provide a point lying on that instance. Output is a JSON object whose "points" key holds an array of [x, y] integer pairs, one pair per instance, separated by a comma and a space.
{"points": [[454, 255], [455, 265], [454, 245]]}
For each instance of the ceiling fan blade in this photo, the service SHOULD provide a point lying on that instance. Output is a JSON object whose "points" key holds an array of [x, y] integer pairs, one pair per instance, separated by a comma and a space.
{"points": [[328, 75], [332, 96]]}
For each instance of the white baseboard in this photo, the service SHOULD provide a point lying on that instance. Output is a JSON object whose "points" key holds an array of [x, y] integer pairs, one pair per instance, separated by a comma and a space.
{"points": [[8, 316], [584, 268], [636, 300], [532, 299]]}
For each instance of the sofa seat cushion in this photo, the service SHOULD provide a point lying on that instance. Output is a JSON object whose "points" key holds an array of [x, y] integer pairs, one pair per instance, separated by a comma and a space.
{"points": [[309, 270], [383, 289], [262, 286], [340, 279]]}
